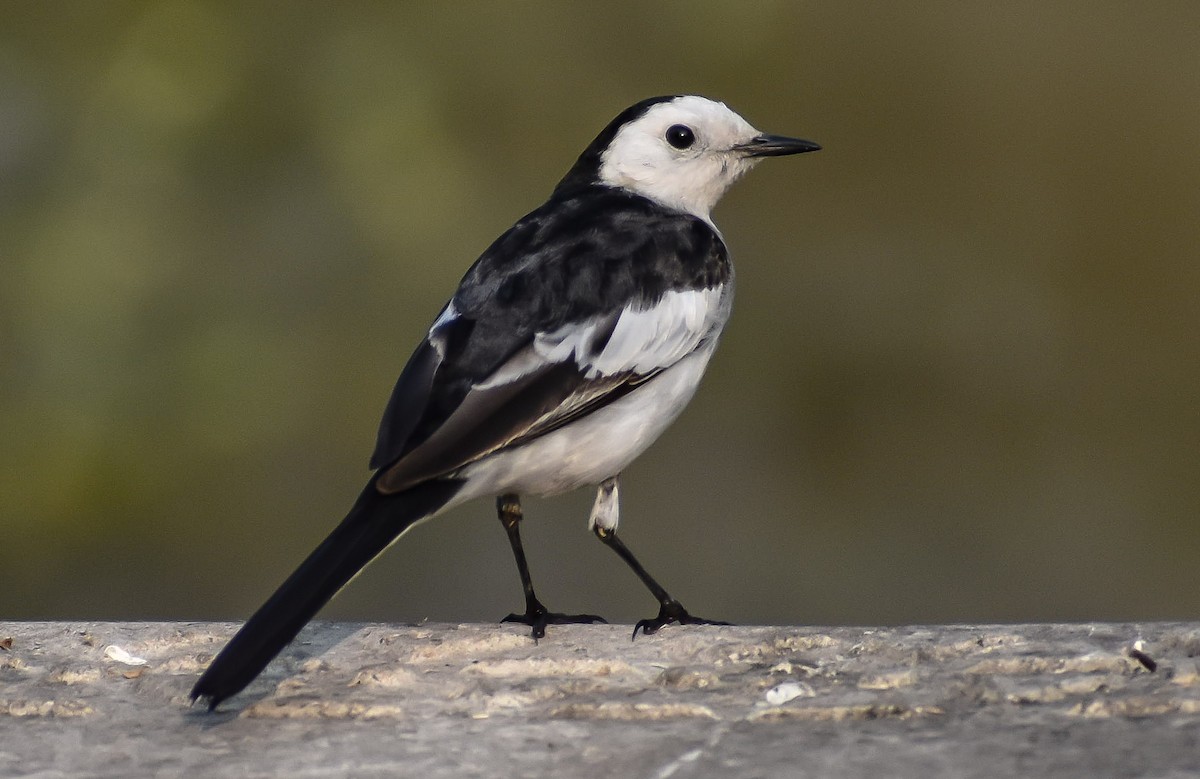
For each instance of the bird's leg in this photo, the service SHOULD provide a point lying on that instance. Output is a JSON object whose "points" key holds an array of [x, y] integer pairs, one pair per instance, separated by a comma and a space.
{"points": [[508, 507], [605, 515]]}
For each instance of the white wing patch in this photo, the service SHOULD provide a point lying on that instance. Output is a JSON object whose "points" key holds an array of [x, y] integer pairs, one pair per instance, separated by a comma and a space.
{"points": [[644, 340]]}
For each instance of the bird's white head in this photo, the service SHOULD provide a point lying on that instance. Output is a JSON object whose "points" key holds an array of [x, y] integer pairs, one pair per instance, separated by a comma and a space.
{"points": [[684, 152]]}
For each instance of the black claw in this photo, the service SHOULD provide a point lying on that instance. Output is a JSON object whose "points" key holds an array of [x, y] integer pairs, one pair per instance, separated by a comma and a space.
{"points": [[669, 612], [538, 618]]}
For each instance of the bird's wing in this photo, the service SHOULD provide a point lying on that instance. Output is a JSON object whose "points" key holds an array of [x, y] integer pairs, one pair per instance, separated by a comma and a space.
{"points": [[546, 328]]}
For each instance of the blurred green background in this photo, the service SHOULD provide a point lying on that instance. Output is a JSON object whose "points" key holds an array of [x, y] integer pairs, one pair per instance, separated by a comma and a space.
{"points": [[960, 383]]}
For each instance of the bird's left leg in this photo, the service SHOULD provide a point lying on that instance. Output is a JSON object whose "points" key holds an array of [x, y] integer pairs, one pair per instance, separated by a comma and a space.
{"points": [[508, 507], [603, 521]]}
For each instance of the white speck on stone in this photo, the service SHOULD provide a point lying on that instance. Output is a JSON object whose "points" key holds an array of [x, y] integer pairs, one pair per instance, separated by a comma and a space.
{"points": [[114, 652], [782, 693]]}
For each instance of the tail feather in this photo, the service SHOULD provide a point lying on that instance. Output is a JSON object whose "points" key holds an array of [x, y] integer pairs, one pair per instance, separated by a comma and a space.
{"points": [[375, 521]]}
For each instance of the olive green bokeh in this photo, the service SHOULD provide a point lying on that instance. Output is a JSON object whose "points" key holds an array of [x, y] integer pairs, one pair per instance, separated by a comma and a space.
{"points": [[960, 383]]}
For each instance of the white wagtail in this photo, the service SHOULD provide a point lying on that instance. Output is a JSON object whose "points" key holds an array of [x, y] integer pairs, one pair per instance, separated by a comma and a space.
{"points": [[570, 345]]}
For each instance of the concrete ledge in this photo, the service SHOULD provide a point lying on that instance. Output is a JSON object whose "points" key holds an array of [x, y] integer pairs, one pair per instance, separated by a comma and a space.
{"points": [[110, 699]]}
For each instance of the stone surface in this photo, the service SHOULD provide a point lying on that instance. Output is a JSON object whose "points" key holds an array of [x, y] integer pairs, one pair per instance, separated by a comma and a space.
{"points": [[1092, 700]]}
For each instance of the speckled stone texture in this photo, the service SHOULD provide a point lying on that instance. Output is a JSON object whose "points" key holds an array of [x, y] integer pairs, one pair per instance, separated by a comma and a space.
{"points": [[1089, 700]]}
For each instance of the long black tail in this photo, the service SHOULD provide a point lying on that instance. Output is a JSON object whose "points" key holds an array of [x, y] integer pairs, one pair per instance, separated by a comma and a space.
{"points": [[374, 522]]}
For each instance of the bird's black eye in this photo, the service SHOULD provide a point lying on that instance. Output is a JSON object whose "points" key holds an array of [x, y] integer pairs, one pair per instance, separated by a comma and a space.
{"points": [[680, 136]]}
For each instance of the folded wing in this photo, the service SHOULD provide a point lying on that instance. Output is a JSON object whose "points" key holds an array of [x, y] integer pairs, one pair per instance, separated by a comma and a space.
{"points": [[556, 378], [550, 324]]}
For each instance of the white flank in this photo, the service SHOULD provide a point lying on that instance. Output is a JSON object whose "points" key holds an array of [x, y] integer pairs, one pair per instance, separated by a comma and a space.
{"points": [[648, 340], [644, 340], [594, 447]]}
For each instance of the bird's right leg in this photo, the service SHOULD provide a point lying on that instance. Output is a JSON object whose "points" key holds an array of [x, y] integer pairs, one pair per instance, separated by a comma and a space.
{"points": [[508, 508], [605, 516]]}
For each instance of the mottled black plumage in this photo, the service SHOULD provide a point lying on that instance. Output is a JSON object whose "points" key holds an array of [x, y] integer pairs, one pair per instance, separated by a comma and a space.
{"points": [[590, 253]]}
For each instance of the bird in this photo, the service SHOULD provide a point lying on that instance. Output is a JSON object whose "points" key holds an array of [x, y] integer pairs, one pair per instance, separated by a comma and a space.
{"points": [[574, 340]]}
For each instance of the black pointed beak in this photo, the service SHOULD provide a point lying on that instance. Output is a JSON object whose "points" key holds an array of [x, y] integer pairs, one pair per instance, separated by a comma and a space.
{"points": [[775, 146]]}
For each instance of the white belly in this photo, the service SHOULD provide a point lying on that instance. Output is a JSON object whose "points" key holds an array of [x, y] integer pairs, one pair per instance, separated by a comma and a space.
{"points": [[600, 445]]}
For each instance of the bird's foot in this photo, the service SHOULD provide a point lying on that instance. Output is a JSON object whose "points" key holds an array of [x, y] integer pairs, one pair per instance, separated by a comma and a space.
{"points": [[537, 618], [671, 611]]}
